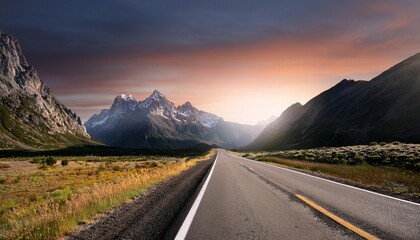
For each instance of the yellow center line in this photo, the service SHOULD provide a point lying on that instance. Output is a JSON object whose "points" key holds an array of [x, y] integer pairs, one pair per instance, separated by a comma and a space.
{"points": [[336, 218]]}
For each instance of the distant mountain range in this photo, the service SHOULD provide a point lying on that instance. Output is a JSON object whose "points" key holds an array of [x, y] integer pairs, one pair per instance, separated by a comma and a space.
{"points": [[156, 122], [387, 108], [30, 115]]}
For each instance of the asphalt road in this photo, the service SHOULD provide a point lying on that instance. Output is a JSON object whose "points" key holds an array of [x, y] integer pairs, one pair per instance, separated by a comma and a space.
{"points": [[244, 199]]}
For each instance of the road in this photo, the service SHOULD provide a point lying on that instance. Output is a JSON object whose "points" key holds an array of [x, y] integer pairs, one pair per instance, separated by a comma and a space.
{"points": [[245, 199]]}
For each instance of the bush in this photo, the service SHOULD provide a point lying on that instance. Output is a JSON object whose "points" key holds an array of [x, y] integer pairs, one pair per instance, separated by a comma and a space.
{"points": [[64, 162], [373, 159], [116, 168], [8, 205], [50, 161], [61, 195], [358, 159], [35, 161], [33, 198]]}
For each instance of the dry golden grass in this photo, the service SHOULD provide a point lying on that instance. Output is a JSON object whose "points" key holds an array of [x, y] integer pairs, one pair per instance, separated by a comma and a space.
{"points": [[38, 203], [395, 180]]}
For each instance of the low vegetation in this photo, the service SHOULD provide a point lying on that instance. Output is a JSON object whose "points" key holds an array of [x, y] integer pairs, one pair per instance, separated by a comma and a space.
{"points": [[393, 154], [46, 197], [393, 167]]}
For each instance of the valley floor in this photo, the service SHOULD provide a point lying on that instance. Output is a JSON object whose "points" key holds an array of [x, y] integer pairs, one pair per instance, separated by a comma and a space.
{"points": [[39, 201]]}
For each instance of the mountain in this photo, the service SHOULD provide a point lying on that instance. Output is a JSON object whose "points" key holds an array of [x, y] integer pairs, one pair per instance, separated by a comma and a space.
{"points": [[30, 116], [269, 120], [387, 108], [157, 123]]}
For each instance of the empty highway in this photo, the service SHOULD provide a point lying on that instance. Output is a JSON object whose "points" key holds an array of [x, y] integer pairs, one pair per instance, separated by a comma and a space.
{"points": [[244, 199]]}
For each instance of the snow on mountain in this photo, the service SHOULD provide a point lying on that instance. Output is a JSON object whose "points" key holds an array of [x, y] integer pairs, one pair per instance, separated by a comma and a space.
{"points": [[127, 97], [155, 104], [100, 122], [187, 111], [209, 120], [157, 123]]}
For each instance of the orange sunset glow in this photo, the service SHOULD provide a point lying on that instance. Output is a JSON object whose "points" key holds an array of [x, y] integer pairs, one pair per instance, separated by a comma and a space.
{"points": [[264, 62]]}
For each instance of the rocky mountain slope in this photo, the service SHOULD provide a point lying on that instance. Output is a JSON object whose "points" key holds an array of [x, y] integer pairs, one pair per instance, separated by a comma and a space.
{"points": [[30, 116], [387, 108], [157, 123]]}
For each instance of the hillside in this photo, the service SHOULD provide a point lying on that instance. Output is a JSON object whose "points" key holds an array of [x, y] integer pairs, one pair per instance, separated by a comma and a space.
{"points": [[30, 115], [385, 109]]}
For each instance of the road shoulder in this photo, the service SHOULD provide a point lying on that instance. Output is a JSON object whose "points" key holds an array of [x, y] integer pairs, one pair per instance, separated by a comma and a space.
{"points": [[149, 215]]}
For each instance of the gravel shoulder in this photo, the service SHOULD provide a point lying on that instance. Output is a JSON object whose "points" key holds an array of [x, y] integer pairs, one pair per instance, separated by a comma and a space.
{"points": [[150, 215]]}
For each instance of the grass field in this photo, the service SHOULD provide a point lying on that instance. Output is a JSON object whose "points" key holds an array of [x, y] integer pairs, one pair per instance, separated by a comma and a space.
{"points": [[38, 201], [392, 168]]}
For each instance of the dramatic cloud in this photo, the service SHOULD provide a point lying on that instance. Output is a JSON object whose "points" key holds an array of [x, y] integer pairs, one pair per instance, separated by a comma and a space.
{"points": [[243, 60]]}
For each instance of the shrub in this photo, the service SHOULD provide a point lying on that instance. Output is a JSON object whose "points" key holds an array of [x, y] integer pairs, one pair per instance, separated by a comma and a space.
{"points": [[35, 161], [101, 168], [50, 161], [61, 195], [4, 166], [8, 205], [33, 198], [116, 168], [373, 159], [64, 162], [359, 158]]}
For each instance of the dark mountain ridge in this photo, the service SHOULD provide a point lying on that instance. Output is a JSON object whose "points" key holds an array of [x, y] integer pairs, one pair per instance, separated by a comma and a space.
{"points": [[387, 108]]}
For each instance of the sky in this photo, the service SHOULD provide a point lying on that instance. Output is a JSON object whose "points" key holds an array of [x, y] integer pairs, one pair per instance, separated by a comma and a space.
{"points": [[240, 59]]}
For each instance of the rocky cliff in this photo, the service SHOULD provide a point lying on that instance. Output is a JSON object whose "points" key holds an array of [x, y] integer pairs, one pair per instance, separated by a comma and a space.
{"points": [[30, 115]]}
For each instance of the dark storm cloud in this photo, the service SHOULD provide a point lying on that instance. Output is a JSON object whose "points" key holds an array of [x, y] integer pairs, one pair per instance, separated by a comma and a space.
{"points": [[61, 29], [105, 46], [57, 31]]}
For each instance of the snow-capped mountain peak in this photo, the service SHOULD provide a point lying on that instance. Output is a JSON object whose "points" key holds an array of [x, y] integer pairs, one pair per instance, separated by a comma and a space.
{"points": [[157, 95], [126, 97], [156, 100], [156, 122], [186, 109], [187, 105], [122, 103], [156, 104]]}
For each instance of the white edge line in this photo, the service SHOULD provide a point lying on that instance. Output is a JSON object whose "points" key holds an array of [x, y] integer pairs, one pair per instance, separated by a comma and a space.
{"points": [[182, 233], [341, 184]]}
